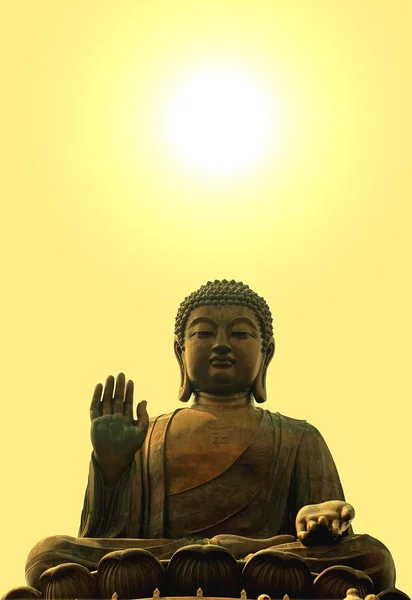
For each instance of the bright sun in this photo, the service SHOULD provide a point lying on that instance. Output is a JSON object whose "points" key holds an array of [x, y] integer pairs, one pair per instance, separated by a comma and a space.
{"points": [[219, 121]]}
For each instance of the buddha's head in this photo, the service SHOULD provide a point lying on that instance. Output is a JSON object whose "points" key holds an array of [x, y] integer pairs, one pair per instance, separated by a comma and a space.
{"points": [[224, 341]]}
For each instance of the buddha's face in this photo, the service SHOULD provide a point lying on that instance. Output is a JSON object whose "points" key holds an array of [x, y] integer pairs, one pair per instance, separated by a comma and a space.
{"points": [[223, 349]]}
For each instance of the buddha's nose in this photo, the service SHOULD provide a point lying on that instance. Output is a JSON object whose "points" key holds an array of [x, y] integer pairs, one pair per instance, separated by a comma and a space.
{"points": [[221, 345]]}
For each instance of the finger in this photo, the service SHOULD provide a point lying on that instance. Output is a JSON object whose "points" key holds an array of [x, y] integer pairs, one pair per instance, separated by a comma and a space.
{"points": [[142, 416], [119, 394], [301, 531], [311, 525], [344, 526], [347, 513], [128, 400], [302, 535], [336, 527], [95, 403], [107, 396], [323, 521], [301, 526]]}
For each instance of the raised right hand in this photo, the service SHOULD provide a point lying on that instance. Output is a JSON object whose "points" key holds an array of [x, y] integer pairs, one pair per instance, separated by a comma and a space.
{"points": [[115, 435]]}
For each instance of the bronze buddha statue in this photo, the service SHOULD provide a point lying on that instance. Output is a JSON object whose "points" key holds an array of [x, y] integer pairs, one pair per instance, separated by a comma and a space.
{"points": [[222, 471]]}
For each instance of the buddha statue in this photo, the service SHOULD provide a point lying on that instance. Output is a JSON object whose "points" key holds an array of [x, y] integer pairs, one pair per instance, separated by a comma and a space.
{"points": [[221, 471]]}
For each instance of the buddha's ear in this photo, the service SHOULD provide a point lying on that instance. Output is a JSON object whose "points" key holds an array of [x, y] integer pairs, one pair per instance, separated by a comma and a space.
{"points": [[185, 390], [259, 385]]}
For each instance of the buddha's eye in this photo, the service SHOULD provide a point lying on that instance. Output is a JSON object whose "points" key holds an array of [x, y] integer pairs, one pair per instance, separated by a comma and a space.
{"points": [[202, 334], [242, 334]]}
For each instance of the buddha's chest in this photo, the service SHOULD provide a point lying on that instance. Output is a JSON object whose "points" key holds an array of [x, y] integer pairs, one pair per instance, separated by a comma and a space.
{"points": [[201, 445]]}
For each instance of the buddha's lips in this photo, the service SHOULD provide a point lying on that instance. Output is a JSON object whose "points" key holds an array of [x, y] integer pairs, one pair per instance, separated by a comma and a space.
{"points": [[222, 361]]}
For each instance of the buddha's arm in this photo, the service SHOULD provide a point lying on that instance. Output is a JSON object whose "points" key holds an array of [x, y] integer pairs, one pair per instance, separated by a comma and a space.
{"points": [[315, 477], [106, 509], [319, 501], [116, 439]]}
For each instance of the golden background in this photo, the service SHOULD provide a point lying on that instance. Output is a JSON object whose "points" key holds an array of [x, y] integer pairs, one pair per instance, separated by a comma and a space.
{"points": [[104, 233]]}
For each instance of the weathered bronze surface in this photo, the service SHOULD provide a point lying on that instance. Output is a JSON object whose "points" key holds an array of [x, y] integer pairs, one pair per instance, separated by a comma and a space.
{"points": [[222, 471]]}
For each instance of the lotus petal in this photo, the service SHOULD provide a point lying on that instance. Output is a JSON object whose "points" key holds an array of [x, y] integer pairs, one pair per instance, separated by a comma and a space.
{"points": [[334, 582], [131, 573], [393, 594], [22, 592], [68, 581], [277, 573], [209, 567]]}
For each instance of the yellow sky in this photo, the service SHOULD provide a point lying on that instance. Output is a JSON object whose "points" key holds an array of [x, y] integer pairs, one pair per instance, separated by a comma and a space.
{"points": [[105, 231]]}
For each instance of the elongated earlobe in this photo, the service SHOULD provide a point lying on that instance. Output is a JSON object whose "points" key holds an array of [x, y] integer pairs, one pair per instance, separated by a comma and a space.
{"points": [[259, 389], [259, 385], [185, 390]]}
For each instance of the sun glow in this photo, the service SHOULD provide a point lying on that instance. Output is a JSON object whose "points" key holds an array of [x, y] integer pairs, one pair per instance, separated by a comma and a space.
{"points": [[220, 122]]}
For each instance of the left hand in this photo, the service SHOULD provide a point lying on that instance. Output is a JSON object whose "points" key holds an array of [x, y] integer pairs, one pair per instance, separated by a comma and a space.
{"points": [[321, 524]]}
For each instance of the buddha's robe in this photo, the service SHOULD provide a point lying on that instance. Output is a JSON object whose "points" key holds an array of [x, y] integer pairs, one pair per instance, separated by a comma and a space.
{"points": [[270, 469], [204, 472]]}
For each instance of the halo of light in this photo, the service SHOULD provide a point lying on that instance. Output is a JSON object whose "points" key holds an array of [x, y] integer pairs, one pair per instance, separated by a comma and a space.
{"points": [[219, 121]]}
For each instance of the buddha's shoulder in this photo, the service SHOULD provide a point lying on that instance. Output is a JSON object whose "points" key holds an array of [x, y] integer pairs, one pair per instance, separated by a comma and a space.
{"points": [[164, 418], [294, 425]]}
